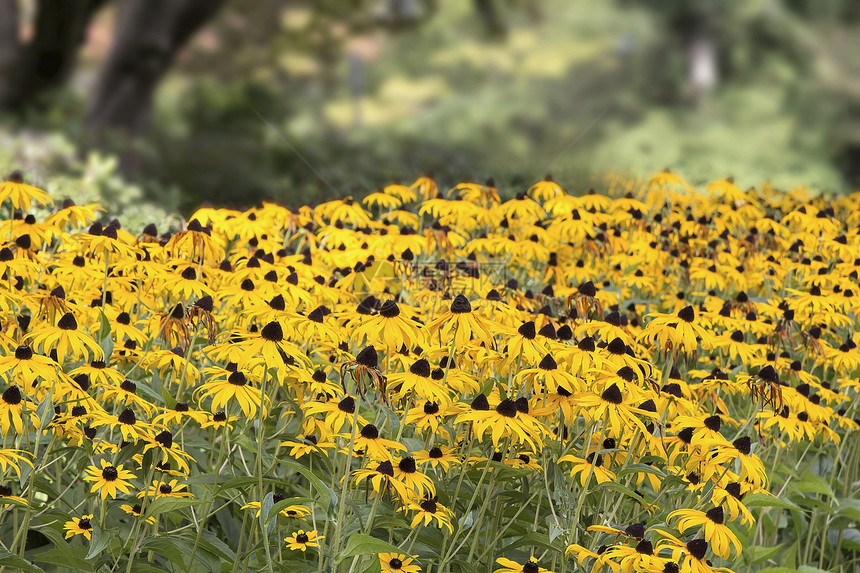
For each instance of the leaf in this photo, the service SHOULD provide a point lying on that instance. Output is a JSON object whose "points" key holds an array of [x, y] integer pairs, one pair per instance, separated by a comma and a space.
{"points": [[211, 543], [11, 560], [622, 489], [166, 547], [767, 500], [532, 539], [374, 567], [139, 567], [361, 544], [849, 508], [166, 504], [100, 539], [104, 328], [143, 388], [327, 496], [265, 508], [45, 411], [127, 452], [70, 556], [759, 554], [640, 468], [811, 483], [464, 566]]}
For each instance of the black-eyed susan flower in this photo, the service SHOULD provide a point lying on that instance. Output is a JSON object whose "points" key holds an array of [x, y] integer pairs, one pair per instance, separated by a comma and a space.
{"points": [[437, 456], [271, 347], [429, 511], [689, 556], [66, 338], [510, 566], [301, 540], [7, 498], [79, 526], [137, 511], [126, 422], [232, 385], [398, 563], [21, 194], [720, 537], [677, 331], [613, 406], [369, 443], [160, 488], [461, 323], [12, 415], [10, 458], [170, 451], [295, 511], [108, 479], [391, 327], [381, 478], [592, 465]]}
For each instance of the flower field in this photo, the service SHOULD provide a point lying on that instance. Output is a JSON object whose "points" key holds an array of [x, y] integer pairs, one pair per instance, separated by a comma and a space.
{"points": [[663, 379]]}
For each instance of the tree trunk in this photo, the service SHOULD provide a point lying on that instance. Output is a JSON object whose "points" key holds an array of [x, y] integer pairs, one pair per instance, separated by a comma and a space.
{"points": [[490, 17], [148, 35], [45, 62], [10, 42]]}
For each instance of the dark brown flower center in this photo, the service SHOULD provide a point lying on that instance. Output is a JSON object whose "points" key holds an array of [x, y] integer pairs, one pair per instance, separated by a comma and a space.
{"points": [[507, 408], [12, 396]]}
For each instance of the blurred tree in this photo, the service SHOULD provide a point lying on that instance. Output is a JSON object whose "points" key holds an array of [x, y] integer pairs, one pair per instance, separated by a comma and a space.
{"points": [[148, 34], [491, 18], [46, 61]]}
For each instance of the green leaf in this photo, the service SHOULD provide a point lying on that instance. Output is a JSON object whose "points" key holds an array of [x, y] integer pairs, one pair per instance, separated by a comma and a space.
{"points": [[143, 388], [100, 539], [623, 490], [373, 567], [849, 508], [811, 483], [759, 554], [127, 452], [70, 556], [166, 504], [16, 563], [45, 411], [326, 494], [464, 566], [361, 544], [767, 500], [640, 468], [138, 567], [104, 328], [266, 507], [166, 547], [532, 540], [212, 544]]}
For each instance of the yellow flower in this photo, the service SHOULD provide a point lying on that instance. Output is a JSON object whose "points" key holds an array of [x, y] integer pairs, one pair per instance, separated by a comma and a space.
{"points": [[301, 540], [398, 563], [67, 339], [80, 526], [509, 566], [22, 194], [107, 479]]}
